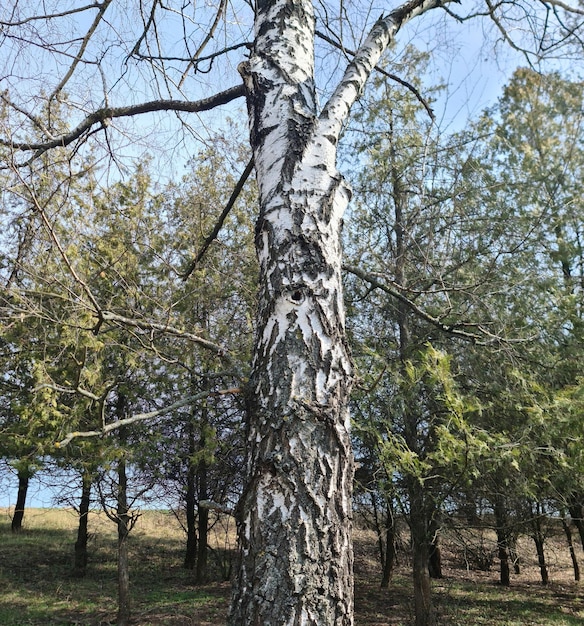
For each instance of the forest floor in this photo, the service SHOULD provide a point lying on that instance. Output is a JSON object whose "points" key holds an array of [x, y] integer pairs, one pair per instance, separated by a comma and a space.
{"points": [[37, 587]]}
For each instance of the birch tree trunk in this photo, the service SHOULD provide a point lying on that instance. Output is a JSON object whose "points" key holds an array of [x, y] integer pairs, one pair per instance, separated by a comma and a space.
{"points": [[295, 514]]}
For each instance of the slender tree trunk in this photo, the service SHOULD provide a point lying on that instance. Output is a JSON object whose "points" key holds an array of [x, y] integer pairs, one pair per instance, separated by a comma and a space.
{"points": [[513, 555], [191, 500], [123, 523], [435, 557], [203, 547], [539, 548], [539, 540], [81, 556], [124, 605], [378, 528], [577, 514], [502, 540], [424, 610], [425, 614], [568, 533], [390, 551], [201, 574], [23, 480]]}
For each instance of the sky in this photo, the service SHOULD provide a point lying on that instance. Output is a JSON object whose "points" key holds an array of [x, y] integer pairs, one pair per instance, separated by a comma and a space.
{"points": [[40, 493]]}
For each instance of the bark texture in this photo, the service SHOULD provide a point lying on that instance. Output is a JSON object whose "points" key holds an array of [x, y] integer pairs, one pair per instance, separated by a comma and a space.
{"points": [[295, 514], [295, 534]]}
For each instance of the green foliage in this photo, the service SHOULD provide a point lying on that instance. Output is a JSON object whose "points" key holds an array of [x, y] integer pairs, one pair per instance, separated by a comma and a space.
{"points": [[447, 448]]}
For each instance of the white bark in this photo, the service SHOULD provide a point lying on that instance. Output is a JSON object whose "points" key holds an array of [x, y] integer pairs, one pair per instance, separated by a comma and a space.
{"points": [[295, 514]]}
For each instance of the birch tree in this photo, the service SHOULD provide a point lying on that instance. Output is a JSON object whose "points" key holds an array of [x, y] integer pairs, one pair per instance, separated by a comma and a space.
{"points": [[295, 513]]}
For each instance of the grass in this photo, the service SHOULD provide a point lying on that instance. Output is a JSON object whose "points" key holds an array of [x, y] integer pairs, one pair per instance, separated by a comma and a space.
{"points": [[37, 587]]}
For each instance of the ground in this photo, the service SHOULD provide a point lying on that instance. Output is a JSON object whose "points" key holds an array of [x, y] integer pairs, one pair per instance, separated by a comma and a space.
{"points": [[37, 588]]}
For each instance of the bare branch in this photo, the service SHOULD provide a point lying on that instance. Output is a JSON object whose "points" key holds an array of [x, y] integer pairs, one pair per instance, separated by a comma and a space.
{"points": [[141, 417], [564, 6], [215, 506], [208, 37], [108, 316], [452, 329], [102, 9], [102, 116], [69, 390], [33, 18], [200, 59], [35, 120]]}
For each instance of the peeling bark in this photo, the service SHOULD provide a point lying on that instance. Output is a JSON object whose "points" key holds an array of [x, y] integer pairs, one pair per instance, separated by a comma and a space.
{"points": [[295, 515]]}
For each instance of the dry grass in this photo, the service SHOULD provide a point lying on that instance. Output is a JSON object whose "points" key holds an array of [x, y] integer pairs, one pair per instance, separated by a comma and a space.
{"points": [[469, 597], [36, 586]]}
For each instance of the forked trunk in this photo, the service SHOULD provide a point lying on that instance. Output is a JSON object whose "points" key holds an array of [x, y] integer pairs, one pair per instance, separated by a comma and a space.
{"points": [[295, 515]]}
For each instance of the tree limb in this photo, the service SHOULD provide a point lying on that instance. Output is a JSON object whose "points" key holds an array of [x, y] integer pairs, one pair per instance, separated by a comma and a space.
{"points": [[102, 9], [108, 316], [451, 329], [383, 72], [93, 5], [215, 506], [358, 71], [219, 224], [105, 114], [210, 34], [141, 417]]}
